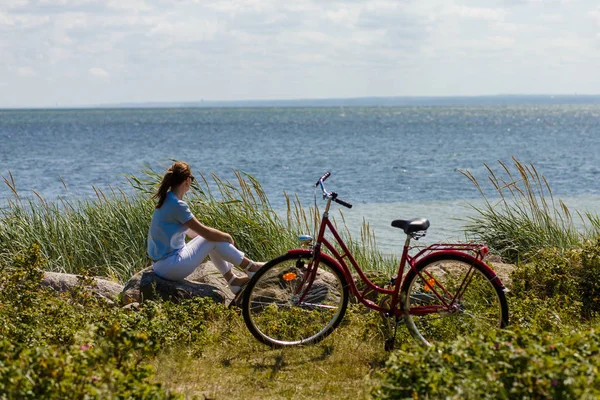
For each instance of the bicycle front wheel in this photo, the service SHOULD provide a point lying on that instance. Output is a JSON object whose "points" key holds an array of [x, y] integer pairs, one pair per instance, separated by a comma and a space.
{"points": [[451, 296], [287, 303]]}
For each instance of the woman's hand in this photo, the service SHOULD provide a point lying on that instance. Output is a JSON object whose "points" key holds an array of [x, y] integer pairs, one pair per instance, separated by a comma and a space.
{"points": [[227, 238]]}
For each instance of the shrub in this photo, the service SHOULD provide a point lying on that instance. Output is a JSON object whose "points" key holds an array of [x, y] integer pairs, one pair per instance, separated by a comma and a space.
{"points": [[498, 365], [569, 279], [74, 346], [589, 277]]}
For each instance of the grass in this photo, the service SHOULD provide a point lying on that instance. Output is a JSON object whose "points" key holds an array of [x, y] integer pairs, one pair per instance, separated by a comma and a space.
{"points": [[241, 368], [106, 236], [522, 215]]}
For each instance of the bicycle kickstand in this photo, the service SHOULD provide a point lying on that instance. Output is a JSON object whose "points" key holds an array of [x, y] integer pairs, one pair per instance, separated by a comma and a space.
{"points": [[391, 341]]}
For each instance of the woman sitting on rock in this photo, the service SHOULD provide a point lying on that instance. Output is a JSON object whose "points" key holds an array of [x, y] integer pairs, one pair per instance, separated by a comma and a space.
{"points": [[172, 257]]}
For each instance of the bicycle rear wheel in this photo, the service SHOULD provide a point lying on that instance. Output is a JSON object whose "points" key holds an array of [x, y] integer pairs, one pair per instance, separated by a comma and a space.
{"points": [[284, 306], [451, 296]]}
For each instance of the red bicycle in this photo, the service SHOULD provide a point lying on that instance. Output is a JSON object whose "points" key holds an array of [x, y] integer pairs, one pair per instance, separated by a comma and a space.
{"points": [[301, 296]]}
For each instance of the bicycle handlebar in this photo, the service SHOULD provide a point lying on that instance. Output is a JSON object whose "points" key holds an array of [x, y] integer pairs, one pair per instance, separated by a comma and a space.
{"points": [[342, 202], [332, 195], [323, 178]]}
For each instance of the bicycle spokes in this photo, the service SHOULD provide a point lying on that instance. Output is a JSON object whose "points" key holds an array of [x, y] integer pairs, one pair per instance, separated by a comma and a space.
{"points": [[449, 298], [292, 303]]}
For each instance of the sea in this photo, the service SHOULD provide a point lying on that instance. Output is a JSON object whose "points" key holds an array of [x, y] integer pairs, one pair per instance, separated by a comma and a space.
{"points": [[391, 159]]}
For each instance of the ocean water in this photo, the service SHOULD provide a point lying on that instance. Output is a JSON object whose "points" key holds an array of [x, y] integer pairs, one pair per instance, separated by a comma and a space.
{"points": [[390, 162]]}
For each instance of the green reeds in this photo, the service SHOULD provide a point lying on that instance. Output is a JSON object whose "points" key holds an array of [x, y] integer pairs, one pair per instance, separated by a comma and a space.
{"points": [[522, 216], [106, 236]]}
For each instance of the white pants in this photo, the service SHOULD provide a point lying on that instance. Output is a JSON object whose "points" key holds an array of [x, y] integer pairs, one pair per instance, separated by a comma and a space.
{"points": [[179, 265]]}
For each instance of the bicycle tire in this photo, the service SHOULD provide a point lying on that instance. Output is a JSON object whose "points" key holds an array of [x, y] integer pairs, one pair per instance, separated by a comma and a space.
{"points": [[271, 309], [481, 307]]}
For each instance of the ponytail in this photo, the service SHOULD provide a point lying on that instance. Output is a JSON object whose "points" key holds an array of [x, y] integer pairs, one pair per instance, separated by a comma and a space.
{"points": [[177, 173], [164, 187]]}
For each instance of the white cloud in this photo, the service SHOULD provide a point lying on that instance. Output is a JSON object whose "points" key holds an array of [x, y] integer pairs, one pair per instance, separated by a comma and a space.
{"points": [[595, 14], [566, 42], [343, 16], [488, 14], [187, 31], [551, 18], [99, 73], [502, 41], [5, 21], [14, 3], [23, 22], [227, 49], [129, 5], [26, 72]]}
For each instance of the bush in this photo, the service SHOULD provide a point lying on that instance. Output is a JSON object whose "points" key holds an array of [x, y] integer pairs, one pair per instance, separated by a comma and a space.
{"points": [[74, 346], [589, 277], [498, 365], [569, 278]]}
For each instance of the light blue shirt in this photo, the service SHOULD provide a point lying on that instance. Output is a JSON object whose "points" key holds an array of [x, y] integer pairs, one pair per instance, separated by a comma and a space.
{"points": [[167, 232]]}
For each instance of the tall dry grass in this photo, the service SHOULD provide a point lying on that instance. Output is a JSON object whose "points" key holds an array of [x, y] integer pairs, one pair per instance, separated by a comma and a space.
{"points": [[106, 235], [522, 215]]}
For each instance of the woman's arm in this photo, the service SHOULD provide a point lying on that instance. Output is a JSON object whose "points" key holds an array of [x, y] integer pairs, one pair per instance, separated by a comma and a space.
{"points": [[191, 234], [208, 233]]}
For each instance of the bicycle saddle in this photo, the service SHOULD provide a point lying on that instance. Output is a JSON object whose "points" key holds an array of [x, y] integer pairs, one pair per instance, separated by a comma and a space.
{"points": [[411, 225]]}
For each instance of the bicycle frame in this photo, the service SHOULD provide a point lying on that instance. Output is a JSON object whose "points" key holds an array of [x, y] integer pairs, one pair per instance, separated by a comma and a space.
{"points": [[472, 252], [300, 297]]}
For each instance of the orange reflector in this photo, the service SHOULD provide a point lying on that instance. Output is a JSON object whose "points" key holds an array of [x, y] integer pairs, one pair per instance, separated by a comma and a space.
{"points": [[429, 285], [290, 276]]}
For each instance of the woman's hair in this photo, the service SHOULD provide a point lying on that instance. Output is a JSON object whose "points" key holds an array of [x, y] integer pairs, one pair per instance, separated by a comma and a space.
{"points": [[176, 174]]}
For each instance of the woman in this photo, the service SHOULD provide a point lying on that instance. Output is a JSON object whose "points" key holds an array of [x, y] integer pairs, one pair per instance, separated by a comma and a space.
{"points": [[172, 257]]}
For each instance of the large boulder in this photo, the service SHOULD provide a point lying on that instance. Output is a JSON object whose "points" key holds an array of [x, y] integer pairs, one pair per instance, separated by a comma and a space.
{"points": [[104, 289], [205, 281], [503, 271]]}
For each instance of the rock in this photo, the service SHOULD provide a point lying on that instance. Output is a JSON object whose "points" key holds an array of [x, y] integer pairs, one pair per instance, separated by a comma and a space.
{"points": [[205, 281], [106, 290], [503, 270]]}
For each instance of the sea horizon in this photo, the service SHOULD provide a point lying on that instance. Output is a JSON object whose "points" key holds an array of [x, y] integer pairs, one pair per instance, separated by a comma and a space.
{"points": [[364, 101]]}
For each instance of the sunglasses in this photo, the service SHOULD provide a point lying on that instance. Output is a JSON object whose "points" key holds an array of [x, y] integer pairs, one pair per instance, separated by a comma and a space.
{"points": [[192, 178]]}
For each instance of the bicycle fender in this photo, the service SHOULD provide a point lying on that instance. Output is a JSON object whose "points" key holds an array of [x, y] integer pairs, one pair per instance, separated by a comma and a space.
{"points": [[302, 252], [491, 274]]}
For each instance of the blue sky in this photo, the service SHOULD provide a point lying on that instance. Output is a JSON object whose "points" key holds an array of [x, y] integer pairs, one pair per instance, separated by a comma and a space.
{"points": [[81, 52]]}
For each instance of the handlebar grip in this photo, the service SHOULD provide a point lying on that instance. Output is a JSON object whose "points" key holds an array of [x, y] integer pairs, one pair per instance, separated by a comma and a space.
{"points": [[327, 174], [342, 202]]}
